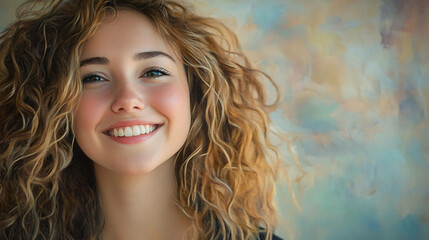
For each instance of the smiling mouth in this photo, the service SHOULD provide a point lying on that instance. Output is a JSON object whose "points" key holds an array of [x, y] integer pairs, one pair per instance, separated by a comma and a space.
{"points": [[131, 131]]}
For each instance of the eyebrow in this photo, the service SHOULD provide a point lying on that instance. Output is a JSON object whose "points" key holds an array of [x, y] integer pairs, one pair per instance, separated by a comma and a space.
{"points": [[94, 60], [151, 54], [137, 57]]}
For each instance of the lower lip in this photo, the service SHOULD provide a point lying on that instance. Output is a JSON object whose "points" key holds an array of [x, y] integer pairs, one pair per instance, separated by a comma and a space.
{"points": [[134, 139]]}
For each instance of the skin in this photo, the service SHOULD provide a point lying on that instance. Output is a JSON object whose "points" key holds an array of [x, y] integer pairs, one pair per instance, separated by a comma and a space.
{"points": [[135, 179]]}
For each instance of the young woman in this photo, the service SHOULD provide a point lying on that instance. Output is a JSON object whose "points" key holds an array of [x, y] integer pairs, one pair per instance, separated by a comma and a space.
{"points": [[127, 119]]}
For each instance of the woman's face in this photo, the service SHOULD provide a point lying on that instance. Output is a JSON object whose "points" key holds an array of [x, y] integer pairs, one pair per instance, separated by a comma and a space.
{"points": [[134, 112]]}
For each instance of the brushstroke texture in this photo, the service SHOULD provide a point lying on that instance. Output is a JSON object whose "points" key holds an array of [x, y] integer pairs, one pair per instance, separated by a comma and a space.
{"points": [[355, 81]]}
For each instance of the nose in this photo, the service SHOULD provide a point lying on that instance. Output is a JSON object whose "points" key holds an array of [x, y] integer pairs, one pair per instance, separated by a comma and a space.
{"points": [[127, 99]]}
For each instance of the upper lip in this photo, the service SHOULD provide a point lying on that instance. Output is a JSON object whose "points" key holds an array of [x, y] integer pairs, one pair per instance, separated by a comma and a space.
{"points": [[130, 123]]}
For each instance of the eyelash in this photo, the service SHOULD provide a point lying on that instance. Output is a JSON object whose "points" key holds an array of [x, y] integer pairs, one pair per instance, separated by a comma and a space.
{"points": [[90, 78], [160, 71]]}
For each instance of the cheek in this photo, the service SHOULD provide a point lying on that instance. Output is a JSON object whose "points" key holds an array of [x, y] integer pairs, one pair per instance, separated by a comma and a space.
{"points": [[172, 100], [87, 112]]}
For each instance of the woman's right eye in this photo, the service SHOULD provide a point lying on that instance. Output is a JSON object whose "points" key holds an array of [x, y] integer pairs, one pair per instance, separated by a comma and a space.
{"points": [[92, 78]]}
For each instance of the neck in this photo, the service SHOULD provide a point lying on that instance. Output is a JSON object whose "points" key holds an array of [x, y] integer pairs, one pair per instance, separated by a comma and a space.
{"points": [[141, 207]]}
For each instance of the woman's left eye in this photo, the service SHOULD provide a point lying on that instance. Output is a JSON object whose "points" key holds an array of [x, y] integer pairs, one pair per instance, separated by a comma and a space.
{"points": [[155, 73]]}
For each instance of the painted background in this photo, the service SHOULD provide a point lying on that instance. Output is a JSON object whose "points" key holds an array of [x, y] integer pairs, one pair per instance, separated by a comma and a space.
{"points": [[355, 81]]}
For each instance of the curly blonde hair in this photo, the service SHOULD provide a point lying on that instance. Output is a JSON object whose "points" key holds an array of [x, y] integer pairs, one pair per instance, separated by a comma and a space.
{"points": [[225, 171]]}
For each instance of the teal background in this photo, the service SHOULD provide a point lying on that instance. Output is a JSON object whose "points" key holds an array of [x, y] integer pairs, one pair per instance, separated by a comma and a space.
{"points": [[354, 75]]}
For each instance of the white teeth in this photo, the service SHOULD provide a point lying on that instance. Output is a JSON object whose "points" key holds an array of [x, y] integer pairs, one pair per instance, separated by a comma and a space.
{"points": [[142, 129], [135, 130], [121, 132], [128, 132]]}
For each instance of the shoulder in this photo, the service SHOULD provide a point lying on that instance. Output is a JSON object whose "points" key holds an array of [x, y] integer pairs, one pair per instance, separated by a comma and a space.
{"points": [[262, 236]]}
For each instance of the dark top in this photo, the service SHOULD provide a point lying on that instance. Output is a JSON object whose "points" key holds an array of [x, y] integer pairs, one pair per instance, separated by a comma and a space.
{"points": [[262, 236]]}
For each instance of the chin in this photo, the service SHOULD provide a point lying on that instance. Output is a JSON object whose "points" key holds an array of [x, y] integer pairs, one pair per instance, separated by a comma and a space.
{"points": [[136, 167]]}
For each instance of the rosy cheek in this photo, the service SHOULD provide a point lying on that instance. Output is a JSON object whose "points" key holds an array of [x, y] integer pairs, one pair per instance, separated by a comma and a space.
{"points": [[172, 99], [88, 109]]}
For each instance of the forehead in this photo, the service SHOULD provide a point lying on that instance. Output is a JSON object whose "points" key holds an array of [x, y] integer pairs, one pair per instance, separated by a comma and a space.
{"points": [[125, 34]]}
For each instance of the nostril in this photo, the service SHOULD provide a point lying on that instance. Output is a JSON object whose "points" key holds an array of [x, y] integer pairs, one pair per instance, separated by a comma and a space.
{"points": [[127, 106], [127, 98]]}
